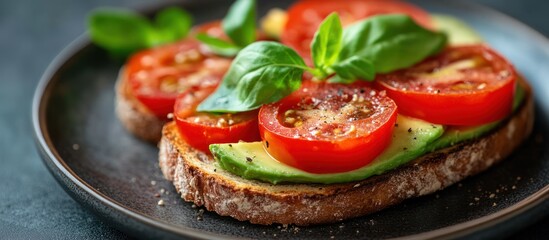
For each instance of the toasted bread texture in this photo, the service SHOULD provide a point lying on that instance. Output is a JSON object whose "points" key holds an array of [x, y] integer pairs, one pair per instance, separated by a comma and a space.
{"points": [[133, 115], [198, 179]]}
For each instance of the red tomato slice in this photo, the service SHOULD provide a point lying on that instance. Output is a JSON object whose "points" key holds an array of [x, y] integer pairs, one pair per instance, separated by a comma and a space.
{"points": [[159, 74], [304, 17], [469, 85], [328, 128], [202, 129]]}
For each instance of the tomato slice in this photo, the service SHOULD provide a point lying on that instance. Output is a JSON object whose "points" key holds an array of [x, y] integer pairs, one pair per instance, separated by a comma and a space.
{"points": [[158, 75], [328, 128], [466, 86], [202, 129], [304, 17]]}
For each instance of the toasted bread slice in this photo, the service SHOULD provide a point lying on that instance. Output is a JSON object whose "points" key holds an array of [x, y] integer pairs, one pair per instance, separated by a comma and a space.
{"points": [[135, 117], [198, 180]]}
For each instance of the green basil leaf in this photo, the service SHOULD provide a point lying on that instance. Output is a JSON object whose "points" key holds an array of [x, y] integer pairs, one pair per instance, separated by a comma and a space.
{"points": [[353, 68], [390, 42], [173, 24], [239, 24], [326, 43], [261, 73], [218, 46], [120, 31]]}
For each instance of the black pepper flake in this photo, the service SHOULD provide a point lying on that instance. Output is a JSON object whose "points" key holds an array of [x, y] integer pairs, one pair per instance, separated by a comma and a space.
{"points": [[267, 144], [396, 124], [433, 126], [409, 130], [405, 149], [230, 145], [415, 138], [362, 90], [215, 169], [249, 159]]}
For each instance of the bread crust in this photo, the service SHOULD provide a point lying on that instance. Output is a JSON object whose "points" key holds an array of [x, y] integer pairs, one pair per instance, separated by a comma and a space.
{"points": [[198, 179], [133, 115]]}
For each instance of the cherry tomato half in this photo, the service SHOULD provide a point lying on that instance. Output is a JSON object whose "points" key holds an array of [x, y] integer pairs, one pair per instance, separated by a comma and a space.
{"points": [[304, 17], [469, 85], [328, 128], [159, 74], [202, 129]]}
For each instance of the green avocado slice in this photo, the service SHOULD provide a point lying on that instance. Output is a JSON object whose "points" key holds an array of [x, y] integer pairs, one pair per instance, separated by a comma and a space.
{"points": [[250, 160]]}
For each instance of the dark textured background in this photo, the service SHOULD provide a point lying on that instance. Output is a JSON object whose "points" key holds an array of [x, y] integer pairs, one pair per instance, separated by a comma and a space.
{"points": [[32, 32]]}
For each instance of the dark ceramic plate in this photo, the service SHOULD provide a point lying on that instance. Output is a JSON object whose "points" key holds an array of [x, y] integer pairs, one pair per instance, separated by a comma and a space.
{"points": [[117, 176]]}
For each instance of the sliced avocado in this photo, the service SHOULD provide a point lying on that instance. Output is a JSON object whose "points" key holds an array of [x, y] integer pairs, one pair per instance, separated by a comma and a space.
{"points": [[459, 33], [453, 135], [250, 160]]}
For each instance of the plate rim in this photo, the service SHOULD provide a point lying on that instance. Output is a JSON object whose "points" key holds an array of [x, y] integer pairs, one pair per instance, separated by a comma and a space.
{"points": [[66, 177]]}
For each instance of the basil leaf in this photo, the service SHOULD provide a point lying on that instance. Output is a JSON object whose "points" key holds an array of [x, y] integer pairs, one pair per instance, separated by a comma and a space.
{"points": [[390, 42], [120, 31], [326, 43], [173, 24], [218, 46], [353, 68], [239, 24], [261, 73]]}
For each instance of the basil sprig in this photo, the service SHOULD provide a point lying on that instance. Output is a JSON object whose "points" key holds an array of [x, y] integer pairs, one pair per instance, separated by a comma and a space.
{"points": [[261, 73], [265, 72], [122, 32], [239, 25], [380, 44]]}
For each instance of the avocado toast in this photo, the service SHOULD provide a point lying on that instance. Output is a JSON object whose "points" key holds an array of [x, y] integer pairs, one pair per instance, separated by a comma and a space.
{"points": [[329, 123]]}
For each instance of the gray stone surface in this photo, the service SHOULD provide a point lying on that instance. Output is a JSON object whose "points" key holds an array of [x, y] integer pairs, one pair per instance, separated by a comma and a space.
{"points": [[32, 32]]}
